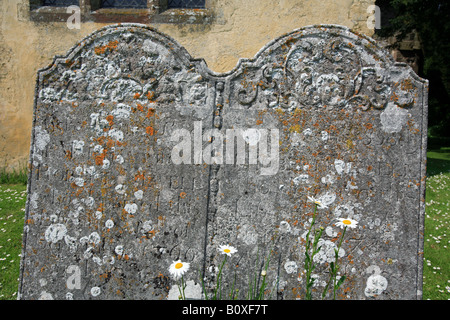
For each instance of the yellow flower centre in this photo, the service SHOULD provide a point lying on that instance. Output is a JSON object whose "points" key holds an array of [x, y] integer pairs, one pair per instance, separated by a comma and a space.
{"points": [[227, 250], [179, 265], [347, 222]]}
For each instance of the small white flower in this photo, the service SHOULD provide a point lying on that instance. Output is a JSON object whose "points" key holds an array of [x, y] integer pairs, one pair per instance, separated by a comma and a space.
{"points": [[228, 250], [317, 202], [346, 222], [178, 268]]}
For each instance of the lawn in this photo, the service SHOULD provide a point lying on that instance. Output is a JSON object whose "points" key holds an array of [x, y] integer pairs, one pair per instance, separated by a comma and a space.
{"points": [[12, 209], [436, 276]]}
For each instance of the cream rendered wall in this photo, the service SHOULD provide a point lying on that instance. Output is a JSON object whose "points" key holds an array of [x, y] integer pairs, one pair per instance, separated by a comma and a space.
{"points": [[240, 29]]}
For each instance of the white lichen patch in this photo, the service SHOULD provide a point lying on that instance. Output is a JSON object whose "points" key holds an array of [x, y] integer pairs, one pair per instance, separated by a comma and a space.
{"points": [[139, 194], [77, 147], [119, 159], [95, 291], [191, 291], [393, 118], [55, 233], [376, 283], [33, 200], [327, 252], [120, 189], [303, 178], [79, 182], [109, 224], [327, 198], [290, 267], [131, 208], [45, 296], [41, 138], [116, 134], [147, 226]]}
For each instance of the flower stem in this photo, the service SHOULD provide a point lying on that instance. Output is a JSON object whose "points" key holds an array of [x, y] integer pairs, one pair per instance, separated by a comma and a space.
{"points": [[336, 267], [309, 262], [218, 279], [181, 290]]}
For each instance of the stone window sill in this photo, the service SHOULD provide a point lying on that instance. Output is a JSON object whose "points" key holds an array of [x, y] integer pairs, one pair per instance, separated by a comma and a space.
{"points": [[115, 15], [185, 16]]}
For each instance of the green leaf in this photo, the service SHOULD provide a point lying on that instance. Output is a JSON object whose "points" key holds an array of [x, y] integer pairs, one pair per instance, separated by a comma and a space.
{"points": [[340, 281]]}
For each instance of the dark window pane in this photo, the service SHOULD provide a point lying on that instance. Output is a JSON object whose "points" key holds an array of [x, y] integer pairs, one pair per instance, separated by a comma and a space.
{"points": [[60, 3], [124, 3], [191, 4]]}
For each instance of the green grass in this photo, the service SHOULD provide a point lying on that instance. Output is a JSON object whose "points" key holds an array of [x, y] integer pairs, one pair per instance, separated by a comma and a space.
{"points": [[436, 273], [14, 177], [437, 219], [12, 209]]}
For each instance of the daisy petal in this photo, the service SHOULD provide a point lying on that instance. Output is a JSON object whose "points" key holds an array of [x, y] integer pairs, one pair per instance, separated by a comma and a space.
{"points": [[227, 249]]}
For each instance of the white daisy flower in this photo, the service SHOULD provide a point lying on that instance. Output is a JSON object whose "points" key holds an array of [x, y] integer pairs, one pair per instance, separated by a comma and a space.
{"points": [[228, 250], [346, 222], [318, 202], [178, 268]]}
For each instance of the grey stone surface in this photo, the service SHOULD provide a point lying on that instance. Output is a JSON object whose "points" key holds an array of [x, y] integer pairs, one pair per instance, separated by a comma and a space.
{"points": [[132, 167]]}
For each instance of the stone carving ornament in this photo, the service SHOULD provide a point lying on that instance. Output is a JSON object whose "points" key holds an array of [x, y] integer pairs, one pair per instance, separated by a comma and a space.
{"points": [[109, 210]]}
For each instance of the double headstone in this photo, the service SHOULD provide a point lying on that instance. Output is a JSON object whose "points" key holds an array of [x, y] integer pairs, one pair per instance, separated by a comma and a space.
{"points": [[142, 156]]}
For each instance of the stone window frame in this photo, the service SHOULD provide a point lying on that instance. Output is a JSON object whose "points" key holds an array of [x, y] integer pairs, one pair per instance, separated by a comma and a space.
{"points": [[157, 11]]}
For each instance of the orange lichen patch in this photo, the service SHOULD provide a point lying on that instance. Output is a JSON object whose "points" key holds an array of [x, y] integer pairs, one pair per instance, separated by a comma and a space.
{"points": [[150, 96], [110, 119], [394, 97], [350, 144], [183, 195], [68, 155], [149, 130], [368, 126], [150, 113], [407, 85], [111, 46], [295, 128], [110, 143], [139, 176], [137, 95], [99, 158]]}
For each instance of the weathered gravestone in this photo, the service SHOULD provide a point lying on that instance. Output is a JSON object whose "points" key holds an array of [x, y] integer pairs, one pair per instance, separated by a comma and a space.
{"points": [[142, 156]]}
